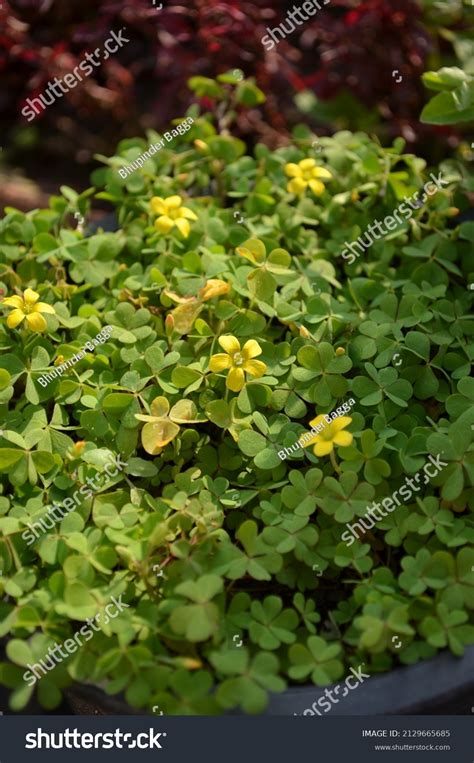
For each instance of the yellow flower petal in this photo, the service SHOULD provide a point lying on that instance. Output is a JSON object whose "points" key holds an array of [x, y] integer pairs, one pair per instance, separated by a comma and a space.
{"points": [[297, 186], [13, 301], [318, 420], [307, 164], [235, 380], [343, 438], [173, 202], [36, 322], [15, 317], [340, 423], [183, 226], [220, 362], [316, 186], [321, 172], [158, 206], [323, 448], [251, 349], [164, 224], [43, 307], [229, 343], [292, 170], [188, 213], [30, 297], [255, 368]]}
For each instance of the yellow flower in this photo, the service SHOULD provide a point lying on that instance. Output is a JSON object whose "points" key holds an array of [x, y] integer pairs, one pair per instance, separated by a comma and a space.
{"points": [[172, 214], [213, 288], [28, 308], [330, 435], [305, 174], [237, 360]]}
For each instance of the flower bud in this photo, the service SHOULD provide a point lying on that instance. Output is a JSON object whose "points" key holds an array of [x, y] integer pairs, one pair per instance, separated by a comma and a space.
{"points": [[201, 146], [78, 448], [340, 351], [213, 288], [189, 663]]}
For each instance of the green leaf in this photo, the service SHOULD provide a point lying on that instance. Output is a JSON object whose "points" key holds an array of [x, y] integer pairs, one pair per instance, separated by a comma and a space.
{"points": [[250, 443]]}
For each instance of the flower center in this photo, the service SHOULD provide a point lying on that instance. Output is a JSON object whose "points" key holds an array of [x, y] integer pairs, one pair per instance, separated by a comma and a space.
{"points": [[238, 359], [307, 174], [26, 308], [327, 434]]}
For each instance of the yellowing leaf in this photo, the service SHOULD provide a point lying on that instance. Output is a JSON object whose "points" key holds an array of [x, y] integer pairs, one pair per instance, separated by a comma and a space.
{"points": [[156, 436], [185, 315], [184, 412], [160, 407]]}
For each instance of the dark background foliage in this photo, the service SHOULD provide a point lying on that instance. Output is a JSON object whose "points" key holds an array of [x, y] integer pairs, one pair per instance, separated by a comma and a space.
{"points": [[325, 64]]}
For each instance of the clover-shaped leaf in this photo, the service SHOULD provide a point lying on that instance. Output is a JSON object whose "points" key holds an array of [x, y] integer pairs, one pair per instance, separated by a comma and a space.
{"points": [[272, 625], [317, 660], [448, 628], [380, 621], [162, 423], [426, 571], [258, 560], [249, 681], [197, 621]]}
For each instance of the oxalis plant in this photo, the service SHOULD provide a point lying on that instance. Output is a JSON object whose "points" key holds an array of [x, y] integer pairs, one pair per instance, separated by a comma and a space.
{"points": [[235, 323]]}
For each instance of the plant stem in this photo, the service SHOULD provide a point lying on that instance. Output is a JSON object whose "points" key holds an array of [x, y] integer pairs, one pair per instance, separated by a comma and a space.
{"points": [[334, 462]]}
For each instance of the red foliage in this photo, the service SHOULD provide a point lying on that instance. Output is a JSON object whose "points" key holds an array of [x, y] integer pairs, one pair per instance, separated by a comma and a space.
{"points": [[346, 45]]}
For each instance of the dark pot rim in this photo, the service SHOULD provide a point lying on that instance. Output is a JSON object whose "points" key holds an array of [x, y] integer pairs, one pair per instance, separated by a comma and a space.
{"points": [[441, 685]]}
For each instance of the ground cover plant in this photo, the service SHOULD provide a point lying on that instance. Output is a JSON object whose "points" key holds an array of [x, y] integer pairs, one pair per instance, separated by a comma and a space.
{"points": [[235, 323]]}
